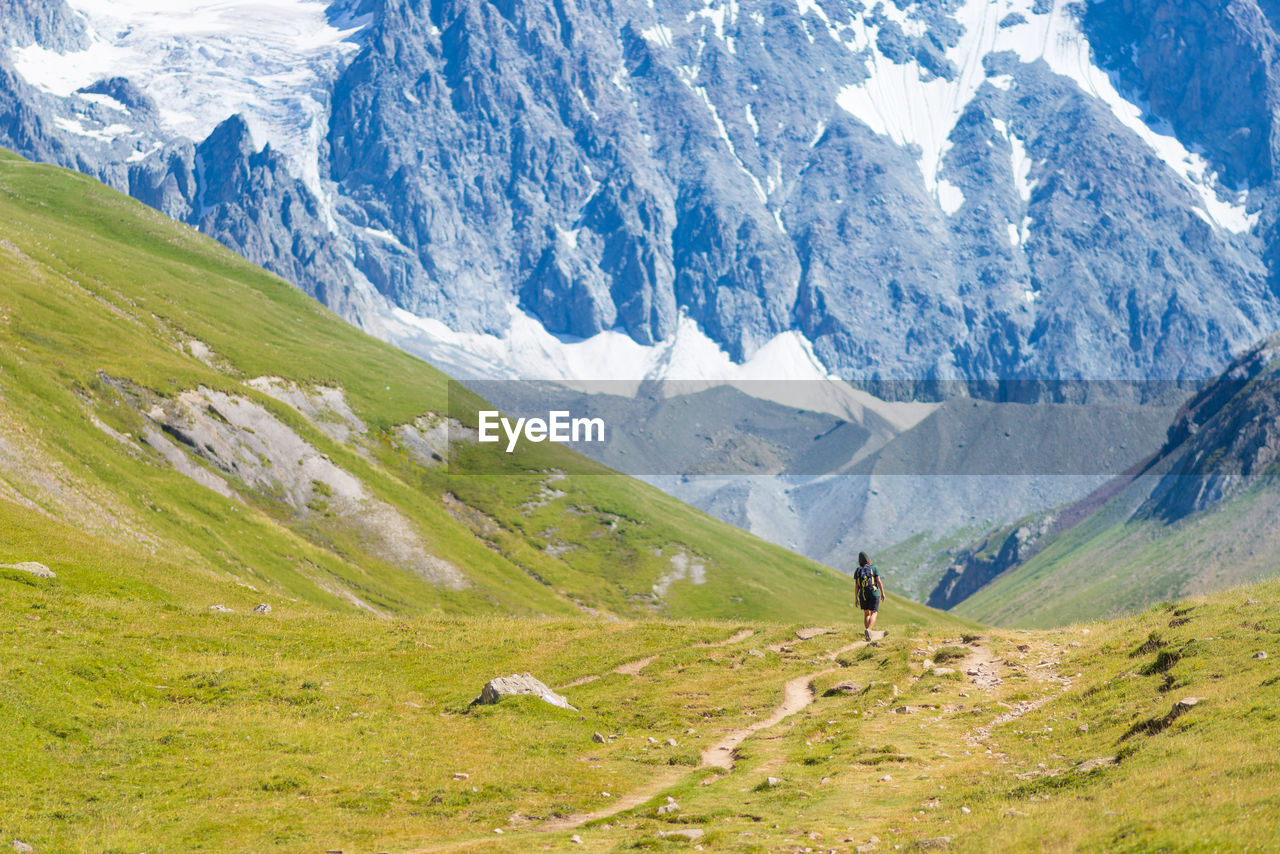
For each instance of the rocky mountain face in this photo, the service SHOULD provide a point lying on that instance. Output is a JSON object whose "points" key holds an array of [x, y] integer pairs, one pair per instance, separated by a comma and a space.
{"points": [[925, 191], [1197, 515], [1226, 440]]}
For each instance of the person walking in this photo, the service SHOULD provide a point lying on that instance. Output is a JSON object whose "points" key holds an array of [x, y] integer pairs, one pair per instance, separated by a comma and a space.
{"points": [[870, 591]]}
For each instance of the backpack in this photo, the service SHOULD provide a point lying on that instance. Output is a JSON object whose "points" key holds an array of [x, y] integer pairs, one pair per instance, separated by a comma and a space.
{"points": [[864, 577]]}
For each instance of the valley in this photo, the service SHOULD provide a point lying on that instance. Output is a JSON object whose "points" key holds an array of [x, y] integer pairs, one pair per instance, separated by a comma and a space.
{"points": [[299, 298]]}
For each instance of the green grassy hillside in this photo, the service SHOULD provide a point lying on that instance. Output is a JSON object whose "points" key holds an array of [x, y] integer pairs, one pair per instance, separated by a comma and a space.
{"points": [[1200, 517], [170, 399], [1104, 568], [133, 723]]}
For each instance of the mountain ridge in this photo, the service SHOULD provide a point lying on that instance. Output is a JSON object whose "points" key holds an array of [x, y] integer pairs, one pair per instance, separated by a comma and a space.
{"points": [[598, 169]]}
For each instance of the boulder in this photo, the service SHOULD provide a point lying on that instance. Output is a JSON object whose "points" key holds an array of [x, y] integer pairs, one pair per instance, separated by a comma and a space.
{"points": [[515, 685], [30, 566]]}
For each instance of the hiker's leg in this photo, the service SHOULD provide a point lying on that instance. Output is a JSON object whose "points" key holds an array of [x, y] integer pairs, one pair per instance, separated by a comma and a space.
{"points": [[871, 619]]}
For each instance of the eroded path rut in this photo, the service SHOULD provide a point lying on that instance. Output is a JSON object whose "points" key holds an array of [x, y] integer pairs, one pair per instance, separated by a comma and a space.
{"points": [[798, 694]]}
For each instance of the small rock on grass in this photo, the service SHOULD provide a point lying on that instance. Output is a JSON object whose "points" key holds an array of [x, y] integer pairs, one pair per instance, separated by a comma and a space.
{"points": [[516, 684], [934, 843], [671, 742], [598, 737], [886, 779], [264, 608], [576, 839], [965, 810], [221, 609], [843, 688], [1260, 655], [22, 847], [690, 833]]}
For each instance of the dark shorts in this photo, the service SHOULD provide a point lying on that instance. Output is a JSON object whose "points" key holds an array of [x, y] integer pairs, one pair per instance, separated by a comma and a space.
{"points": [[870, 603]]}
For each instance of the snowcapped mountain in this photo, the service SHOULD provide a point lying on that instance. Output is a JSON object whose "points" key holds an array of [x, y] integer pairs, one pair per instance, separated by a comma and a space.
{"points": [[907, 191], [911, 193]]}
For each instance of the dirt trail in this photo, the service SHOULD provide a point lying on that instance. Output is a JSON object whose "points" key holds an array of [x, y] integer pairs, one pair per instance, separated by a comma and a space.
{"points": [[801, 635], [982, 668], [797, 694], [740, 635], [633, 668]]}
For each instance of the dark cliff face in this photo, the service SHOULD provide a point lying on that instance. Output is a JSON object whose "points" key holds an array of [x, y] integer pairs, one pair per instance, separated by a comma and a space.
{"points": [[1226, 440], [247, 199], [607, 164]]}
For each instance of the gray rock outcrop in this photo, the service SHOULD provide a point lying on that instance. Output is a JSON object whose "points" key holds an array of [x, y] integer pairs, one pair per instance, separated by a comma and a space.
{"points": [[30, 567]]}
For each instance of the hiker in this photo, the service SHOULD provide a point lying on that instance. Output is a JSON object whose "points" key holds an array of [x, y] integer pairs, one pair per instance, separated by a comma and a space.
{"points": [[867, 579]]}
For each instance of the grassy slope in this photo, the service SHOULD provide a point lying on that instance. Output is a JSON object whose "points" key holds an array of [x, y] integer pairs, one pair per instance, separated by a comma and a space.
{"points": [[131, 723], [96, 284], [919, 761], [1103, 569]]}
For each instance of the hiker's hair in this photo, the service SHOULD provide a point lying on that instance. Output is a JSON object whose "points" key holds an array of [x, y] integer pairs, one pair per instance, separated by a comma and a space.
{"points": [[863, 560]]}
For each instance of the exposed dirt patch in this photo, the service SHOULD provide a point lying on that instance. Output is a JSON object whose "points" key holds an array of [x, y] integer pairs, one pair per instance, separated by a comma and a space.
{"points": [[427, 439], [982, 668], [684, 567], [324, 407], [736, 637], [250, 446], [633, 668], [33, 478]]}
